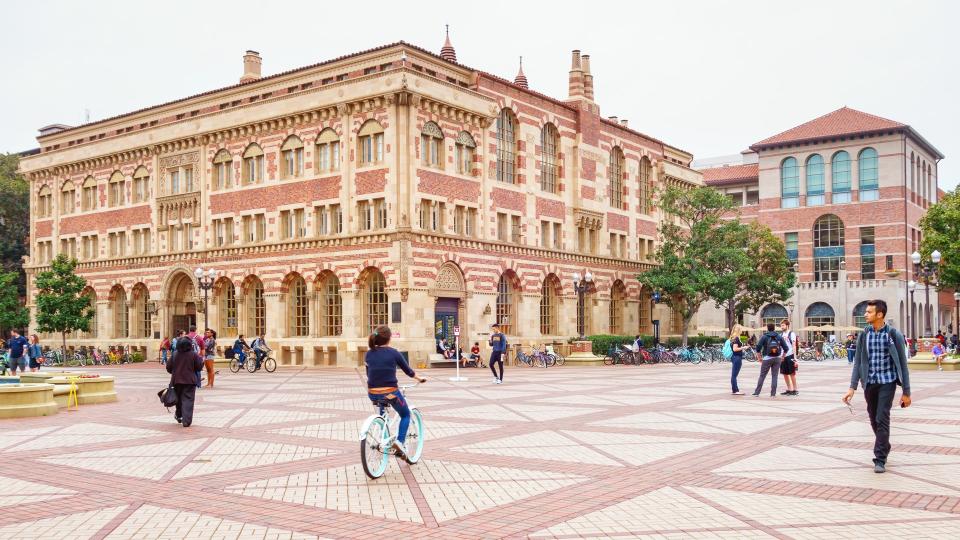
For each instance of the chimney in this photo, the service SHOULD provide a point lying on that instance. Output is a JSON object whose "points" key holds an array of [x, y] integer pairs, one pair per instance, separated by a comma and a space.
{"points": [[624, 123], [576, 77], [613, 119], [251, 67], [587, 78]]}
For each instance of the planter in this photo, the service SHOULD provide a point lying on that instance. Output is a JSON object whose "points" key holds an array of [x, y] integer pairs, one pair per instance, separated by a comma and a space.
{"points": [[892, 273], [90, 390], [26, 400]]}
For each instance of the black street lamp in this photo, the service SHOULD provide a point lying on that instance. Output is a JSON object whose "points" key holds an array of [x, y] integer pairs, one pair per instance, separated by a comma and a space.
{"points": [[956, 312], [581, 285], [911, 316], [926, 271], [205, 279]]}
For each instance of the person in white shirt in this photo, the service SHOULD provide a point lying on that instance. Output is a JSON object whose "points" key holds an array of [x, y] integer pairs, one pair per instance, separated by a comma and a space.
{"points": [[789, 366]]}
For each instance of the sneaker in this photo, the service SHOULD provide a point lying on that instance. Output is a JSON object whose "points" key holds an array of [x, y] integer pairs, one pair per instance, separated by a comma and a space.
{"points": [[879, 468], [786, 392], [737, 393], [499, 381], [400, 448], [795, 393], [755, 395], [496, 380], [940, 368]]}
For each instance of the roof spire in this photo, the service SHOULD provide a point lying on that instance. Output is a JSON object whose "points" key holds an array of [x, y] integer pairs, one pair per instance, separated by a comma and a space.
{"points": [[448, 53], [521, 79]]}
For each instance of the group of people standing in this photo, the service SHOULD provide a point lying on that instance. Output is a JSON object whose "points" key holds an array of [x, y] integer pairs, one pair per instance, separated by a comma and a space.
{"points": [[778, 351], [22, 353]]}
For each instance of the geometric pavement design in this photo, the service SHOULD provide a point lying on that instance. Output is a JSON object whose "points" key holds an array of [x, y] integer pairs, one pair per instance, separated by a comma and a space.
{"points": [[660, 451]]}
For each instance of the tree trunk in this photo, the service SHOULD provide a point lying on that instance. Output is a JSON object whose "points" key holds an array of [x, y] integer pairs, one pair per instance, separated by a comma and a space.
{"points": [[685, 329], [63, 349]]}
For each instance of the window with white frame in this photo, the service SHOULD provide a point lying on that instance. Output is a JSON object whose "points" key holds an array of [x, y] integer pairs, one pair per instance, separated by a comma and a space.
{"points": [[370, 139], [222, 170], [291, 158], [465, 149], [253, 164], [431, 145], [141, 185], [506, 146], [115, 190], [327, 151], [549, 164]]}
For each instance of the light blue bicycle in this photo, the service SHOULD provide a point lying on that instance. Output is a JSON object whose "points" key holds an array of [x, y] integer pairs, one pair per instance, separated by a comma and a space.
{"points": [[379, 432]]}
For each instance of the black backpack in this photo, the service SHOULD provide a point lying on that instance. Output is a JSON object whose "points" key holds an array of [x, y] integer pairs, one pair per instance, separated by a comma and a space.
{"points": [[771, 347]]}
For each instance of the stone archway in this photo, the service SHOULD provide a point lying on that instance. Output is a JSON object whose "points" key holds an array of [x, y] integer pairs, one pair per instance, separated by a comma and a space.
{"points": [[181, 303], [450, 295]]}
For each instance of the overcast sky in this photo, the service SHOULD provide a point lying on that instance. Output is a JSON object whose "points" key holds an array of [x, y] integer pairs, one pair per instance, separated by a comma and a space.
{"points": [[711, 77]]}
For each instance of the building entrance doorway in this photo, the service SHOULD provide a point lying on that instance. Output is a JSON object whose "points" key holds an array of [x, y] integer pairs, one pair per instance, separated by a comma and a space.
{"points": [[446, 316], [181, 303]]}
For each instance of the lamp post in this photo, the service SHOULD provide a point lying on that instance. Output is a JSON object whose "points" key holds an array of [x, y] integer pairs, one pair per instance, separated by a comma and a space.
{"points": [[956, 312], [926, 271], [581, 285], [205, 279], [912, 286]]}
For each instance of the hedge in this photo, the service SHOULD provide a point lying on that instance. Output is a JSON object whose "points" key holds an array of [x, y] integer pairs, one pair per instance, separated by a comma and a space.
{"points": [[603, 342]]}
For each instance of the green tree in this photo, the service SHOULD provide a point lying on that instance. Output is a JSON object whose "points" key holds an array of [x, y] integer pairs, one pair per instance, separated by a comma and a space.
{"points": [[12, 313], [14, 217], [60, 305], [757, 273], [696, 245], [941, 232]]}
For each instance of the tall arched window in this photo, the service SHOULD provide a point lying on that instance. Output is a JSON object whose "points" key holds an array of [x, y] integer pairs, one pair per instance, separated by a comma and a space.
{"points": [[115, 191], [466, 147], [618, 294], [370, 139], [868, 175], [298, 307], [226, 295], [44, 202], [291, 158], [840, 177], [646, 305], [375, 300], [913, 176], [327, 151], [431, 145], [253, 164], [773, 313], [820, 314], [91, 297], [815, 180], [141, 184], [828, 248], [331, 305], [646, 185], [615, 176], [143, 322], [506, 146], [506, 303], [68, 200], [256, 307], [860, 314], [549, 305], [789, 183], [88, 197], [549, 143], [223, 170], [121, 313]]}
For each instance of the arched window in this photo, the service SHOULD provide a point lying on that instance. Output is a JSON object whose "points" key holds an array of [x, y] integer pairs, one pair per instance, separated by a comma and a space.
{"points": [[91, 332], [646, 185], [143, 322], [115, 192], [815, 183], [820, 314], [88, 197], [253, 164], [549, 305], [121, 312], [773, 313], [860, 314], [466, 148], [431, 145], [506, 146], [789, 183], [549, 165], [913, 176], [327, 151], [375, 300], [298, 307], [68, 201], [291, 158], [828, 248], [840, 177], [141, 184], [615, 174], [868, 175], [331, 305], [44, 202], [646, 305], [617, 295], [506, 303], [370, 138], [226, 295], [256, 307], [222, 170]]}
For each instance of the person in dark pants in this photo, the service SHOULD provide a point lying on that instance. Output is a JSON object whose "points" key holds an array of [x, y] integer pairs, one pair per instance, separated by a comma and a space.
{"points": [[737, 359], [880, 364], [183, 368], [498, 342], [772, 347]]}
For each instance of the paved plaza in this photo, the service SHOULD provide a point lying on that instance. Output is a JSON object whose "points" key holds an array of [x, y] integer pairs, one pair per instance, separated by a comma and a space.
{"points": [[604, 452]]}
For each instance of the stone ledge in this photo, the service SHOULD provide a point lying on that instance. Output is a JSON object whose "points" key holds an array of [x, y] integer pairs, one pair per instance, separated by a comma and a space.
{"points": [[924, 361], [26, 400]]}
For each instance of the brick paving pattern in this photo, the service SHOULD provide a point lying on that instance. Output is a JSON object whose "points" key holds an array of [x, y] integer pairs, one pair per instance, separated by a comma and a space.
{"points": [[605, 452]]}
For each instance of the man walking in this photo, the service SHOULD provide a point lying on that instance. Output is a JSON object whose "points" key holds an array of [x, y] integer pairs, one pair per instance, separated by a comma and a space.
{"points": [[17, 345], [772, 347], [789, 365], [498, 343], [880, 364]]}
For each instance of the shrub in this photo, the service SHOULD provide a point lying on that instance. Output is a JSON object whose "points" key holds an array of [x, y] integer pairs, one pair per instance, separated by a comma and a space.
{"points": [[136, 357]]}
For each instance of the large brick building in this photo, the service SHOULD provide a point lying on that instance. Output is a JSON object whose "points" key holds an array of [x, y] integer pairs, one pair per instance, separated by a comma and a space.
{"points": [[845, 192], [390, 186]]}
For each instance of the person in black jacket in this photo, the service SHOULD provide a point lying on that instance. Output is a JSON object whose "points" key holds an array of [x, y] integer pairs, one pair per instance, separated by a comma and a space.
{"points": [[183, 368], [772, 347]]}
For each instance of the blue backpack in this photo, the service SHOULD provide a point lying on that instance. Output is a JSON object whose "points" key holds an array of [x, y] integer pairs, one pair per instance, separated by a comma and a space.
{"points": [[727, 349]]}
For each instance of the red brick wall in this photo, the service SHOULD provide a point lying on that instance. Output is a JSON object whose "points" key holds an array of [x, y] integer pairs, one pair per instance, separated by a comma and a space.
{"points": [[618, 222], [269, 197], [588, 192], [106, 219], [44, 228], [371, 181], [449, 187], [507, 200], [646, 228], [550, 208]]}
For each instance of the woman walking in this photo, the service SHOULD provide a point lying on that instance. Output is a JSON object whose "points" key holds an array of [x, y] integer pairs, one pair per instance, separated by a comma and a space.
{"points": [[35, 353], [183, 368], [736, 361], [209, 353]]}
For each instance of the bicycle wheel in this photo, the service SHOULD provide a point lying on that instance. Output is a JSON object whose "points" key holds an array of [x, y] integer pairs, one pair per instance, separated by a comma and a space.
{"points": [[251, 364], [270, 365], [415, 437], [234, 365], [373, 448], [558, 358], [608, 360]]}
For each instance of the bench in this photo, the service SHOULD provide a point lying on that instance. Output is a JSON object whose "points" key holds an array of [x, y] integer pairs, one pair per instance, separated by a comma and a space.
{"points": [[437, 360]]}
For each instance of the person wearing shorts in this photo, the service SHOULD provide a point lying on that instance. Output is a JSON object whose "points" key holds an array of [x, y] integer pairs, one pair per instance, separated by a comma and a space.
{"points": [[788, 368], [18, 348], [498, 342]]}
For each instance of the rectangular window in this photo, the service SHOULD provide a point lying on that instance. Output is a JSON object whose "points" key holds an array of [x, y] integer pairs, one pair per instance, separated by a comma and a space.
{"points": [[826, 268], [253, 169], [623, 246], [464, 159], [321, 217], [753, 197], [791, 241], [557, 236], [582, 245], [842, 197], [364, 210], [545, 229], [614, 245], [371, 149], [868, 261], [790, 202], [293, 163], [261, 227], [188, 179], [223, 174], [336, 218], [736, 198], [174, 182], [459, 215], [515, 229], [502, 227], [380, 213], [470, 224]]}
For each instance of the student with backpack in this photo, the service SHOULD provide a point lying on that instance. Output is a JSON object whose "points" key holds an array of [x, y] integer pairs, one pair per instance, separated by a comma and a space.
{"points": [[789, 366], [772, 348], [733, 351]]}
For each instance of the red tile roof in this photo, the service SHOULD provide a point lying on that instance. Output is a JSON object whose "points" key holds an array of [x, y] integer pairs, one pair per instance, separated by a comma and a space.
{"points": [[843, 121], [730, 174]]}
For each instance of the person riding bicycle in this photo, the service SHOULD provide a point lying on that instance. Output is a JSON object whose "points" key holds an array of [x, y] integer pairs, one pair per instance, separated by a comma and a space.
{"points": [[637, 344], [240, 349], [260, 349], [382, 362]]}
